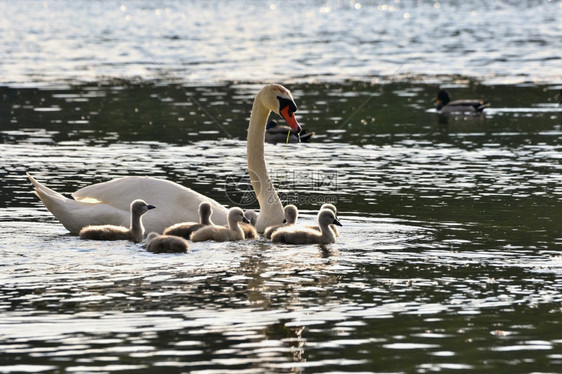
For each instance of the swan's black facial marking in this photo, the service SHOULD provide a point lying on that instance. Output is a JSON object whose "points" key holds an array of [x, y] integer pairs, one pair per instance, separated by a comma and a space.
{"points": [[287, 108], [284, 102]]}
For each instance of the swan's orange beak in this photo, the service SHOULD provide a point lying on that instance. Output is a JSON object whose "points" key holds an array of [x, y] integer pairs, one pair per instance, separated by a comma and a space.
{"points": [[290, 119]]}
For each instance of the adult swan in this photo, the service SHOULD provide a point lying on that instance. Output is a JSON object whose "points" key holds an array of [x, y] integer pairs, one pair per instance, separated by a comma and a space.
{"points": [[108, 202]]}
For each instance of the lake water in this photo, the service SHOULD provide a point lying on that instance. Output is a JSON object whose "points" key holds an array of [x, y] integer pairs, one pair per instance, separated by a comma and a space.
{"points": [[449, 258]]}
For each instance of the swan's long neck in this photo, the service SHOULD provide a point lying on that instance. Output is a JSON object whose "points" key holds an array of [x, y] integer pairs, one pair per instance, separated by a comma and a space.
{"points": [[271, 209]]}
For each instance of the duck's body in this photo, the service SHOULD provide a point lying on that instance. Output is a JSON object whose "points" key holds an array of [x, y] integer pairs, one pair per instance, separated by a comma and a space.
{"points": [[333, 227], [221, 233], [291, 216], [106, 202], [303, 235], [166, 243], [185, 229], [444, 104], [134, 233], [276, 133]]}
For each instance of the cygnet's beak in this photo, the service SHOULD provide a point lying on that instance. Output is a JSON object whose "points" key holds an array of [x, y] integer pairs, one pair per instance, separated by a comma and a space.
{"points": [[151, 207], [336, 222], [245, 220]]}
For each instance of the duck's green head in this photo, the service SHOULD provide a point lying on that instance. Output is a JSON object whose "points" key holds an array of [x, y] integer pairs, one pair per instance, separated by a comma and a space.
{"points": [[442, 99]]}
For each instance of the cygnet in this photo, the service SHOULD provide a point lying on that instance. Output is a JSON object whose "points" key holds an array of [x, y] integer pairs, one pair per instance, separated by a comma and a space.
{"points": [[222, 233], [334, 228], [185, 229], [291, 215], [134, 233], [303, 235], [166, 243], [249, 229]]}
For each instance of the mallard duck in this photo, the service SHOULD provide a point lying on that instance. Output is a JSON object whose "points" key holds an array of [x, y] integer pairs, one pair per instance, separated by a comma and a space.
{"points": [[444, 104], [275, 133]]}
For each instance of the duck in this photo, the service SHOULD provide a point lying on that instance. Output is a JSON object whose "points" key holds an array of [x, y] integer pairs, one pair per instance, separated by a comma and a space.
{"points": [[303, 235], [334, 228], [291, 216], [104, 202], [276, 133], [221, 233], [249, 229], [134, 233], [185, 229], [157, 243], [444, 104]]}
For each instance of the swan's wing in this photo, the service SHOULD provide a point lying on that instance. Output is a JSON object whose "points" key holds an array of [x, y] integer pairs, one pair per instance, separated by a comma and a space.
{"points": [[174, 203]]}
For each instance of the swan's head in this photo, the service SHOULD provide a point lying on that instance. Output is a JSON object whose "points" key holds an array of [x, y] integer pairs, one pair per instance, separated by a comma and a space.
{"points": [[140, 207], [327, 217], [237, 215], [291, 214], [279, 100]]}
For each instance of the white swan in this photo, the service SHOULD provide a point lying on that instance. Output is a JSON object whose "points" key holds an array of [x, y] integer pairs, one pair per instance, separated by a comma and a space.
{"points": [[222, 233], [291, 216], [303, 235], [135, 232], [166, 243], [108, 202]]}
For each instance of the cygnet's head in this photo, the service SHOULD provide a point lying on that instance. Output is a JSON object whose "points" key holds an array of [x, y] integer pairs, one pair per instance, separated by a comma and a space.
{"points": [[152, 235], [332, 207], [237, 215], [205, 211], [252, 216], [291, 214], [140, 207], [327, 217]]}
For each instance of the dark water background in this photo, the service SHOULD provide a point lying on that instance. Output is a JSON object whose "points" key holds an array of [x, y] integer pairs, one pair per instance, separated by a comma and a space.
{"points": [[449, 257]]}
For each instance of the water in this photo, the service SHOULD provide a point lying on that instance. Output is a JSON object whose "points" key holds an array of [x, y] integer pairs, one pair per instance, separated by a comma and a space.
{"points": [[201, 41], [449, 257]]}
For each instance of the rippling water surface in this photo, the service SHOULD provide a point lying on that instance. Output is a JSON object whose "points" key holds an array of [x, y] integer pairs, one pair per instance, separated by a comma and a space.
{"points": [[202, 41], [449, 256]]}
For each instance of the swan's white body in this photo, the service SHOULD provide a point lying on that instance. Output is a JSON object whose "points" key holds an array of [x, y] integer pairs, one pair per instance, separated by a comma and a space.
{"points": [[108, 202]]}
